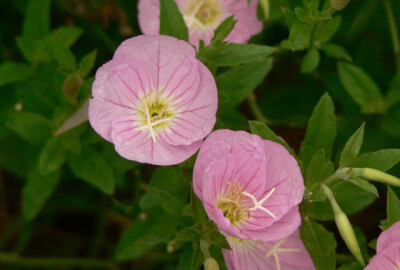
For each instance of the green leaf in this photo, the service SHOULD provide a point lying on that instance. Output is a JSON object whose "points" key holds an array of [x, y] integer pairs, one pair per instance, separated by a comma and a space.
{"points": [[393, 95], [310, 61], [167, 189], [197, 209], [37, 191], [336, 51], [91, 167], [361, 88], [289, 16], [211, 234], [223, 30], [320, 243], [321, 131], [393, 207], [32, 127], [247, 77], [171, 20], [191, 259], [365, 185], [142, 235], [352, 148], [339, 4], [303, 15], [37, 19], [234, 54], [266, 133], [53, 155], [65, 58], [351, 266], [14, 72], [299, 37], [69, 35], [317, 171], [381, 160], [71, 87], [328, 29], [87, 63]]}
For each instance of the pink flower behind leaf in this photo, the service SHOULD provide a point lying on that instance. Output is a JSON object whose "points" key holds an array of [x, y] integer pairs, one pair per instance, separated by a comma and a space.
{"points": [[285, 254], [154, 100], [203, 16], [388, 250], [250, 187]]}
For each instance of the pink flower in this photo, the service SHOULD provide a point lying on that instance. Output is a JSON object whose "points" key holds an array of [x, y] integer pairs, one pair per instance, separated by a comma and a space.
{"points": [[250, 187], [154, 100], [203, 16], [286, 254], [388, 250]]}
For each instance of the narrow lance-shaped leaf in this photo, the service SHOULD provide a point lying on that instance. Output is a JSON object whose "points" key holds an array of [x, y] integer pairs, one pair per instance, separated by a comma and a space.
{"points": [[320, 243], [223, 30], [381, 160], [361, 88], [37, 19], [352, 148], [321, 131], [53, 155], [14, 72], [171, 20]]}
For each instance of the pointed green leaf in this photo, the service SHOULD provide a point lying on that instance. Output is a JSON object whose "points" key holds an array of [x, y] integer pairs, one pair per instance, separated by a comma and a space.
{"points": [[14, 72], [352, 148], [37, 191], [171, 20], [393, 207], [53, 156], [87, 63], [336, 51], [37, 19], [223, 30], [91, 167], [310, 61], [361, 88], [365, 185], [32, 127], [381, 160], [320, 243], [299, 37], [321, 131]]}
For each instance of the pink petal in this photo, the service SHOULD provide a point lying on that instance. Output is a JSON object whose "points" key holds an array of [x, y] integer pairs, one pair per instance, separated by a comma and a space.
{"points": [[387, 259], [388, 237]]}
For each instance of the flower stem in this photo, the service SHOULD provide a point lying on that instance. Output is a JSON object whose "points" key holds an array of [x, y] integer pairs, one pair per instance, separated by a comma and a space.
{"points": [[394, 32], [251, 99], [31, 262]]}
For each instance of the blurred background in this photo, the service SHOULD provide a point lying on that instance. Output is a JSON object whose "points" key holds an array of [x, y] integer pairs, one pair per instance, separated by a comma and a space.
{"points": [[66, 193]]}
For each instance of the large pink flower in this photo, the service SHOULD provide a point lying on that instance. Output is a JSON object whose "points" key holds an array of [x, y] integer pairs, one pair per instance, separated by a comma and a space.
{"points": [[154, 100], [285, 254], [388, 250], [203, 16], [250, 187]]}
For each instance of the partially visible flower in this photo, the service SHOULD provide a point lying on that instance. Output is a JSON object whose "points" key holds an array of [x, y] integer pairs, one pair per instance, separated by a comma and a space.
{"points": [[285, 254], [154, 100], [388, 250], [249, 187], [203, 16]]}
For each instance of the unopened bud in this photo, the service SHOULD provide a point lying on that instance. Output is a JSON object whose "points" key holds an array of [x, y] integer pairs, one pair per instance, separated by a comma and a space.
{"points": [[173, 245], [376, 175], [344, 226], [339, 4], [211, 264]]}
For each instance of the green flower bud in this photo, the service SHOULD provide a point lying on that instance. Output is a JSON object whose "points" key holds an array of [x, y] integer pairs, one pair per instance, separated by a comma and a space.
{"points": [[211, 264], [375, 175], [344, 226], [339, 4], [265, 7]]}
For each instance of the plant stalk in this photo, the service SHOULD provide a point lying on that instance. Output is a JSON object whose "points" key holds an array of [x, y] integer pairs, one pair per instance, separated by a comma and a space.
{"points": [[258, 115], [394, 33]]}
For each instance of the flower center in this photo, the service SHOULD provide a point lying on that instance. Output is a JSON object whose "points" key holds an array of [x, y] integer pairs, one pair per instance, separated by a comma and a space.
{"points": [[236, 204], [202, 13], [155, 114]]}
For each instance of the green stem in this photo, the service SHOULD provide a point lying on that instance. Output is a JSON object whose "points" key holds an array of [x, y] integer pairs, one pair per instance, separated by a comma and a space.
{"points": [[31, 262], [258, 115], [394, 32]]}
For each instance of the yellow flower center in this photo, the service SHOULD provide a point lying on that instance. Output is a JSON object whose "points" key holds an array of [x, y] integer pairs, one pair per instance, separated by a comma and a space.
{"points": [[202, 14], [155, 113]]}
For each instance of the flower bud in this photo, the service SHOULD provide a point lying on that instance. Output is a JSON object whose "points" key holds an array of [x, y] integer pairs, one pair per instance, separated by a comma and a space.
{"points": [[376, 175], [339, 4], [344, 226], [211, 264]]}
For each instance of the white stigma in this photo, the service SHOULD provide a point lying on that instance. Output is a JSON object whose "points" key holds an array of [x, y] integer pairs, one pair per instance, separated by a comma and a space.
{"points": [[259, 204], [276, 248]]}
